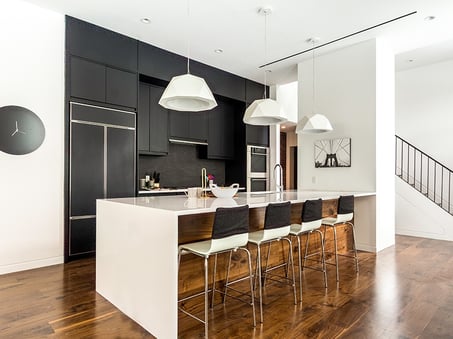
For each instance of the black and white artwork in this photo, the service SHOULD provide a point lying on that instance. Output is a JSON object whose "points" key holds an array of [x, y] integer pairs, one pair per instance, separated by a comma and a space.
{"points": [[333, 153]]}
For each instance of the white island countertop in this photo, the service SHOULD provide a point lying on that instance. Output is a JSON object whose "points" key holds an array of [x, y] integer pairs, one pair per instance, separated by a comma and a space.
{"points": [[182, 205]]}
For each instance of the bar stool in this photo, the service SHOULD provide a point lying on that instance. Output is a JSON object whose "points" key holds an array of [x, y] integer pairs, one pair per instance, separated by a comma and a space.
{"points": [[229, 233], [345, 214], [311, 222], [277, 223]]}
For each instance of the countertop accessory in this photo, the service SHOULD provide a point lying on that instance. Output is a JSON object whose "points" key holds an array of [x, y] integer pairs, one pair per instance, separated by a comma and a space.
{"points": [[265, 111], [224, 192], [188, 92]]}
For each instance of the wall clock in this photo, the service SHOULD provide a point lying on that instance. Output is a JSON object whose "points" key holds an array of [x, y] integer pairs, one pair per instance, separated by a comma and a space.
{"points": [[21, 130]]}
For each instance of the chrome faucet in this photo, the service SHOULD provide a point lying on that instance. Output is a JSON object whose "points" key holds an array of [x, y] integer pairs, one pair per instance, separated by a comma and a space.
{"points": [[279, 185]]}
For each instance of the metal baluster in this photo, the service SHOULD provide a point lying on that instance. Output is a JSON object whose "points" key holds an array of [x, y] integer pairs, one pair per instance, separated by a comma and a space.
{"points": [[407, 169], [402, 153], [421, 172], [435, 181], [427, 179], [415, 157], [449, 192], [442, 189]]}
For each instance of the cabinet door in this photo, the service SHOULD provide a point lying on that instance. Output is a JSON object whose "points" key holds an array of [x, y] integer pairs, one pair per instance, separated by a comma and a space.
{"points": [[87, 168], [179, 124], [143, 118], [158, 122], [82, 235], [121, 87], [221, 132], [87, 80], [257, 135], [100, 44], [159, 63], [219, 81], [198, 126], [254, 90], [120, 163]]}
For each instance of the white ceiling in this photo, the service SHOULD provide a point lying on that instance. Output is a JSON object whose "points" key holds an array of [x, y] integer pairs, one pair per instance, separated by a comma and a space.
{"points": [[237, 28]]}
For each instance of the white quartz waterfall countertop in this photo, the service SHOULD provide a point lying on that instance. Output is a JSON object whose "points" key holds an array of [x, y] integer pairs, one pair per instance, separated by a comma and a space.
{"points": [[182, 205]]}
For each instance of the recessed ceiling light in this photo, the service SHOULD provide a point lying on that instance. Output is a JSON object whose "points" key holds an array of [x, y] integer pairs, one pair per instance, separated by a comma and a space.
{"points": [[411, 60], [218, 50], [429, 17], [145, 21], [283, 126]]}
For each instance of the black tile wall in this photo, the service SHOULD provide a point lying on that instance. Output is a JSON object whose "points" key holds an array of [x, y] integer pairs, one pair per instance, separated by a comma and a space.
{"points": [[181, 167]]}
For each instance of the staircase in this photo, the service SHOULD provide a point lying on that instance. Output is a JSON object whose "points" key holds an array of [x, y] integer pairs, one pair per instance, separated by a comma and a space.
{"points": [[426, 175]]}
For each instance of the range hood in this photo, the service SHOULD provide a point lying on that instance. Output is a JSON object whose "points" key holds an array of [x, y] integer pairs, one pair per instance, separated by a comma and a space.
{"points": [[186, 142]]}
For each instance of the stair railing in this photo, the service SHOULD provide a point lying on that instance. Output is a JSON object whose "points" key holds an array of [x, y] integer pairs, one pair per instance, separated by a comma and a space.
{"points": [[425, 174]]}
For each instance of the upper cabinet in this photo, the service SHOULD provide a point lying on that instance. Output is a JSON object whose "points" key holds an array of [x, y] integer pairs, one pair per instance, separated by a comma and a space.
{"points": [[256, 135], [152, 121], [189, 126], [101, 45], [158, 63], [254, 90], [93, 81], [220, 82], [221, 131]]}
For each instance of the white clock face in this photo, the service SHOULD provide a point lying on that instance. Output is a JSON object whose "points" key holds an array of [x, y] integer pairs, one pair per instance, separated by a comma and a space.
{"points": [[21, 130]]}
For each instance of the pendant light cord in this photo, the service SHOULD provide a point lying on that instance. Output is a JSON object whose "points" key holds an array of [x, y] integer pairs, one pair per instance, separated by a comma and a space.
{"points": [[188, 37], [265, 52], [313, 75]]}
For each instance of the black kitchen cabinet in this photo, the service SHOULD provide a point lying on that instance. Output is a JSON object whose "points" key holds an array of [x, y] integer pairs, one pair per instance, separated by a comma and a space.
{"points": [[121, 87], [93, 81], [87, 80], [257, 135], [220, 82], [221, 131], [120, 162], [102, 165], [254, 90], [152, 121], [99, 44], [87, 168], [191, 126], [158, 63]]}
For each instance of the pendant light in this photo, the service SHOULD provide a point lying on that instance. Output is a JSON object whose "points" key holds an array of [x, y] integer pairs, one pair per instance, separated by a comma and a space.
{"points": [[265, 111], [314, 123], [188, 92]]}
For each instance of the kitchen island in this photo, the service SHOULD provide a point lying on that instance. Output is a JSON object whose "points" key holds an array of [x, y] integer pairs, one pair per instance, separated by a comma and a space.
{"points": [[137, 241]]}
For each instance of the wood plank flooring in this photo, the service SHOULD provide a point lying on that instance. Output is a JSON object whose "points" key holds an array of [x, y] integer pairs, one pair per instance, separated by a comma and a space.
{"points": [[403, 292]]}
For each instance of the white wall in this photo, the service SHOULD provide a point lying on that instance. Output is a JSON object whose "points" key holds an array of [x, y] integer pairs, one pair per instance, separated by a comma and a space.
{"points": [[31, 186], [346, 94], [354, 90], [287, 98], [424, 107], [424, 103]]}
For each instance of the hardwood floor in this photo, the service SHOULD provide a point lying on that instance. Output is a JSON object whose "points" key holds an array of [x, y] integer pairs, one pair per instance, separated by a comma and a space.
{"points": [[403, 292]]}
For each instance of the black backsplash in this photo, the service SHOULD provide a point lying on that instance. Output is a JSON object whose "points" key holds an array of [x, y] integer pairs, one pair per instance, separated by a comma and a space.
{"points": [[181, 167]]}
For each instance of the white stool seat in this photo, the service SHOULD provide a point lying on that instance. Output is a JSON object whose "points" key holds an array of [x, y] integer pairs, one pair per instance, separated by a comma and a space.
{"points": [[262, 236], [212, 246], [297, 229]]}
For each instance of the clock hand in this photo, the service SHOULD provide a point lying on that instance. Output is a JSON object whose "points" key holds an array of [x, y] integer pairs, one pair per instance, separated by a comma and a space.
{"points": [[17, 130]]}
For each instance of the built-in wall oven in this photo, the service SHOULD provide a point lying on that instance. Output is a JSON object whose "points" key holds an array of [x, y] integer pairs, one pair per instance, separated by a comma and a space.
{"points": [[257, 168]]}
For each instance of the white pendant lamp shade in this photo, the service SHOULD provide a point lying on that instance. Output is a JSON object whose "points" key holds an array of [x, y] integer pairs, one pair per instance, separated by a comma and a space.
{"points": [[313, 124], [264, 112], [188, 93]]}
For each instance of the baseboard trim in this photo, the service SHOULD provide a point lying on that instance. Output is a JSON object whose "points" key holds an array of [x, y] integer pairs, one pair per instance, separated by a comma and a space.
{"points": [[28, 265], [366, 248]]}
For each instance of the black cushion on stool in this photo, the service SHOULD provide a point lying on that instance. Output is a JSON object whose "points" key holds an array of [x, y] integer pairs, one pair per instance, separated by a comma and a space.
{"points": [[277, 215], [230, 221], [312, 210], [346, 204]]}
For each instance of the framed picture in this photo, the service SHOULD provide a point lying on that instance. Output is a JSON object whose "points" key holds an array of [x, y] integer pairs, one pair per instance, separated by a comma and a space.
{"points": [[333, 153]]}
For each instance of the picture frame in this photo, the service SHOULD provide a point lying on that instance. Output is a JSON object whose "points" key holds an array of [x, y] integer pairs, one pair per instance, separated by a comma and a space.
{"points": [[331, 153]]}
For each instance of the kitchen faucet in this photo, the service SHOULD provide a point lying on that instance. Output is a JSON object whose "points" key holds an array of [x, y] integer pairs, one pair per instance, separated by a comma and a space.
{"points": [[279, 185]]}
